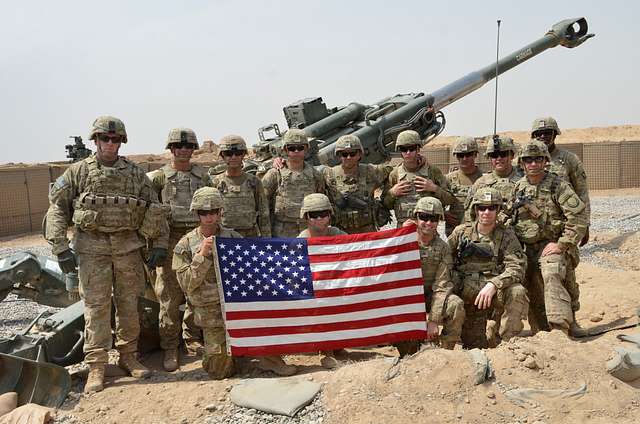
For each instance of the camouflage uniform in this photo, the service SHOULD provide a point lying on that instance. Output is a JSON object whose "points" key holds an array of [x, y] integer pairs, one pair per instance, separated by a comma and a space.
{"points": [[551, 212], [245, 205], [503, 264], [285, 189], [111, 207], [460, 183], [197, 277], [175, 189]]}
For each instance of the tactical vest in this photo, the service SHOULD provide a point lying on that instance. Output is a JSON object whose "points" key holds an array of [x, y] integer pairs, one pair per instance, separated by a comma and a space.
{"points": [[357, 210], [460, 184], [240, 201], [292, 188], [177, 192], [109, 201], [404, 205], [549, 225]]}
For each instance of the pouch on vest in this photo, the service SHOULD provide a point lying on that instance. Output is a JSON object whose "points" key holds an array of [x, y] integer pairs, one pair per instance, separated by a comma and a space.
{"points": [[86, 220]]}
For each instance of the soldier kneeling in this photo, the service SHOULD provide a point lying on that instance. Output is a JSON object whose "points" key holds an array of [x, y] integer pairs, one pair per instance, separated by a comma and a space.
{"points": [[488, 268]]}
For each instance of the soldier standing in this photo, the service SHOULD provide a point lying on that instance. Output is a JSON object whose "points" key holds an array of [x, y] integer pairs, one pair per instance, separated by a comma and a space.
{"points": [[245, 205], [175, 184], [286, 187], [111, 204], [413, 179], [461, 180], [444, 308], [489, 265], [550, 220]]}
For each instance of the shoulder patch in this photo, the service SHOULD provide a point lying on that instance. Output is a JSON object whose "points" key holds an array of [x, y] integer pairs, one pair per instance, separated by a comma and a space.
{"points": [[60, 183]]}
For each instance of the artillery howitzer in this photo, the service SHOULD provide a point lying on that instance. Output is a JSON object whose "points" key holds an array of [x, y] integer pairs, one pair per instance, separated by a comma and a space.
{"points": [[58, 338], [78, 150]]}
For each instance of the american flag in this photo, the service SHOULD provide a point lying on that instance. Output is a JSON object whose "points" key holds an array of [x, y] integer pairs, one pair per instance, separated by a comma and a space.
{"points": [[290, 295]]}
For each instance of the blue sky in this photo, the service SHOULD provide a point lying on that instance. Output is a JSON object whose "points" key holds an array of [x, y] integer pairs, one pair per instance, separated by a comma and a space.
{"points": [[224, 67]]}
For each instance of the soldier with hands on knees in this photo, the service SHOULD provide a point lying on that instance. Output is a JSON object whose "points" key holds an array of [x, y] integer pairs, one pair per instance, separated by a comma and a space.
{"points": [[413, 178], [175, 184], [550, 220], [461, 180], [246, 207], [489, 265], [113, 208]]}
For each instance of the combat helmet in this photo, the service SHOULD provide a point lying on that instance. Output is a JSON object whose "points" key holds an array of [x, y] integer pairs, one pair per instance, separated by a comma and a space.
{"points": [[295, 136], [182, 135], [533, 149], [348, 142], [315, 202], [543, 124], [232, 142], [486, 196], [501, 144], [206, 199], [465, 145], [408, 138], [108, 125], [429, 205]]}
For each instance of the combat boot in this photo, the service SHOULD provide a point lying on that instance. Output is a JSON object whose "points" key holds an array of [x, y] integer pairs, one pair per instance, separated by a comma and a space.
{"points": [[277, 365], [170, 362], [130, 363], [95, 379], [194, 348]]}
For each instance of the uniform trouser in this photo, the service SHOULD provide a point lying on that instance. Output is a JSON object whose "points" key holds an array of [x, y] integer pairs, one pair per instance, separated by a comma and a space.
{"points": [[102, 276], [287, 229], [215, 360], [248, 232], [359, 230], [550, 304], [170, 297]]}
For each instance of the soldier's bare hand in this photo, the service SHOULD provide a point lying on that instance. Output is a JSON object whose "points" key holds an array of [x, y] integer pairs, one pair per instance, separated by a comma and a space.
{"points": [[278, 163], [432, 330], [206, 246], [409, 222], [551, 249], [401, 189], [424, 184], [483, 300]]}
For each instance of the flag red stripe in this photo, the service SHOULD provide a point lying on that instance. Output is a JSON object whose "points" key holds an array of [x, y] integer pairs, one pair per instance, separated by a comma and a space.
{"points": [[347, 291], [328, 345], [326, 327], [325, 310], [361, 254], [334, 274], [354, 238]]}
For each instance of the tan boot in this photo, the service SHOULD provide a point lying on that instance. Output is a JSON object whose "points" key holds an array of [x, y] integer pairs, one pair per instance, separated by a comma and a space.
{"points": [[277, 365], [170, 362], [194, 348], [95, 379], [130, 363]]}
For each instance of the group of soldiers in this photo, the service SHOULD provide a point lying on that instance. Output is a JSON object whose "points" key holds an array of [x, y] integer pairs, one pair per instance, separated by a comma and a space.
{"points": [[511, 253]]}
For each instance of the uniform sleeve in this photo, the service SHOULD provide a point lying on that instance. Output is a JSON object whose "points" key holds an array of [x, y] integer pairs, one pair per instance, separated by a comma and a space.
{"points": [[60, 211], [149, 194], [387, 198], [270, 185], [381, 173], [190, 272], [264, 217], [578, 178], [442, 287], [575, 212], [514, 260], [443, 192], [321, 186]]}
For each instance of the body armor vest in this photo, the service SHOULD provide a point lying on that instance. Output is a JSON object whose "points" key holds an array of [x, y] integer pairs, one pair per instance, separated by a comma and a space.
{"points": [[240, 204], [404, 205], [177, 192], [292, 188], [357, 209], [549, 225]]}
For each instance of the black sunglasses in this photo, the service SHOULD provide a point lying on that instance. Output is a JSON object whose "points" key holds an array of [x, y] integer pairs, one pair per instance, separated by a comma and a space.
{"points": [[423, 216], [106, 138], [405, 149], [229, 153], [182, 146], [350, 154], [318, 214], [530, 160], [209, 212], [544, 134], [502, 154], [295, 147], [482, 208]]}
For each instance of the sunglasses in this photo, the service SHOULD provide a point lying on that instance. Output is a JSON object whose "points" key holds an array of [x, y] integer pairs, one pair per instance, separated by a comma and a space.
{"points": [[482, 208], [465, 155], [209, 212], [544, 134], [318, 214], [351, 154], [229, 153], [422, 216], [530, 160], [295, 147], [496, 155], [106, 138], [405, 149], [182, 146]]}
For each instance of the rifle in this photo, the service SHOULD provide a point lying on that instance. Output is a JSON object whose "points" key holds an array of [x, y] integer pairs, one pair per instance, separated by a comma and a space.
{"points": [[525, 201]]}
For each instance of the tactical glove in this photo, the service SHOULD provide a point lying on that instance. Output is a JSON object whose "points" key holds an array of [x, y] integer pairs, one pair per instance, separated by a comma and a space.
{"points": [[585, 239], [156, 257], [67, 261]]}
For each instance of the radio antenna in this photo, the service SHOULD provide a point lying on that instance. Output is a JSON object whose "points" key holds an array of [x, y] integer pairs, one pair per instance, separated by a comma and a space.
{"points": [[495, 102]]}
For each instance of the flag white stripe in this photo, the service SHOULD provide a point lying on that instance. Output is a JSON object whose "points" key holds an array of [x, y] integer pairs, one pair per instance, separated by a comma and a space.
{"points": [[325, 319], [366, 262], [323, 301], [362, 245], [327, 336], [369, 280]]}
